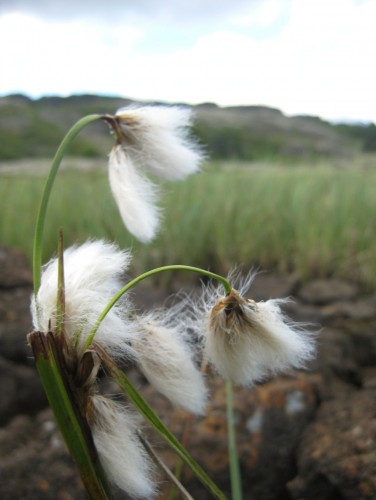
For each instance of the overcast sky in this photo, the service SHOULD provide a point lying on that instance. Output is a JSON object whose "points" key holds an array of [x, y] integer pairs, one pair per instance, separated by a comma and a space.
{"points": [[303, 56]]}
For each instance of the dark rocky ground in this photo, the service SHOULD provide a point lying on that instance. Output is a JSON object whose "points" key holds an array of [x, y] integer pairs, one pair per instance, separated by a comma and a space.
{"points": [[307, 436]]}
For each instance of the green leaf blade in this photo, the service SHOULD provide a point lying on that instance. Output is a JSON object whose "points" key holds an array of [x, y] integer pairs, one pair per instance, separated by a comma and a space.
{"points": [[76, 436]]}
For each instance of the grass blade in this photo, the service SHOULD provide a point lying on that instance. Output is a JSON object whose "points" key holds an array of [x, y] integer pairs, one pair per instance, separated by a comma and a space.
{"points": [[74, 428]]}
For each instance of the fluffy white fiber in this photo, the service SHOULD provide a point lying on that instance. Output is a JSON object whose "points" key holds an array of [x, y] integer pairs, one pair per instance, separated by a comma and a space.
{"points": [[248, 341], [166, 361], [154, 140], [135, 195], [256, 344], [158, 140], [120, 451], [92, 276]]}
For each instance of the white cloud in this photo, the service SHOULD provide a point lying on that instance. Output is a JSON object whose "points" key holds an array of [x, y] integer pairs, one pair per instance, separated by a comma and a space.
{"points": [[262, 15], [318, 59], [147, 10], [56, 57]]}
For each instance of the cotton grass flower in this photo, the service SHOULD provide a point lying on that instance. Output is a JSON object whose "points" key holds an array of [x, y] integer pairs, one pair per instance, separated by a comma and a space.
{"points": [[151, 140], [120, 451], [92, 276], [165, 358], [158, 141], [247, 341], [135, 195]]}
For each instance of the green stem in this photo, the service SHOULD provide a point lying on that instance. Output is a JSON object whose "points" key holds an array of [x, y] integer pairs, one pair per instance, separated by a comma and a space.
{"points": [[60, 306], [236, 487], [174, 267], [38, 235]]}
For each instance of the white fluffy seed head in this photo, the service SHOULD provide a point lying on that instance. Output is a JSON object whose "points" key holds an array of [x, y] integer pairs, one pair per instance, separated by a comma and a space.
{"points": [[152, 139], [165, 359], [92, 275], [135, 195], [158, 141], [120, 451], [248, 341]]}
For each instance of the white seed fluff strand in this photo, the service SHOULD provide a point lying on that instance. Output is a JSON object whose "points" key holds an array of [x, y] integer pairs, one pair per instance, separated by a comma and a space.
{"points": [[120, 451]]}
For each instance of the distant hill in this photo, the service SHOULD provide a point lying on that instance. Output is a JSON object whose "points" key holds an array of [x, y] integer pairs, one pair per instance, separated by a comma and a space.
{"points": [[34, 128]]}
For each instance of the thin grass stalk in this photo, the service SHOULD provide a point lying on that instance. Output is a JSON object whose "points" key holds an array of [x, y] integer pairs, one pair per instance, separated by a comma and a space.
{"points": [[236, 486], [171, 477]]}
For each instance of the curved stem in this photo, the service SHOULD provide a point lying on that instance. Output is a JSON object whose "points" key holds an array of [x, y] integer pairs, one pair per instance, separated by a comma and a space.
{"points": [[174, 267], [236, 487], [39, 227], [60, 303]]}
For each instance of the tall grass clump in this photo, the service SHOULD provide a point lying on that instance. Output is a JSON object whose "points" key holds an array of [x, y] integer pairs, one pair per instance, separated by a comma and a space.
{"points": [[316, 221]]}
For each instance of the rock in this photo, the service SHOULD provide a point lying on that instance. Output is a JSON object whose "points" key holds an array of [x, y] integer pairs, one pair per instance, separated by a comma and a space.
{"points": [[369, 377], [335, 357], [363, 338], [21, 391], [15, 324], [322, 291], [275, 422], [364, 342], [358, 310], [271, 286], [305, 313], [344, 354], [34, 462], [270, 420], [337, 455], [15, 292], [14, 268]]}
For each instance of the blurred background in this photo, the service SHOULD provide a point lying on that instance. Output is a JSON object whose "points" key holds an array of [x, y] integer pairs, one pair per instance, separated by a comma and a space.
{"points": [[283, 92]]}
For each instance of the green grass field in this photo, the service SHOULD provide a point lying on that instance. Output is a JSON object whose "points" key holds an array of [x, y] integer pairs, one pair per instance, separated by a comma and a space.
{"points": [[316, 221]]}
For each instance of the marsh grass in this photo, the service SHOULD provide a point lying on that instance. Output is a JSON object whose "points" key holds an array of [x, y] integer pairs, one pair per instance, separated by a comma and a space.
{"points": [[316, 221]]}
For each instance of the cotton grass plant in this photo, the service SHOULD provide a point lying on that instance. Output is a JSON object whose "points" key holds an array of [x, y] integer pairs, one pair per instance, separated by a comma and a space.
{"points": [[84, 319]]}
